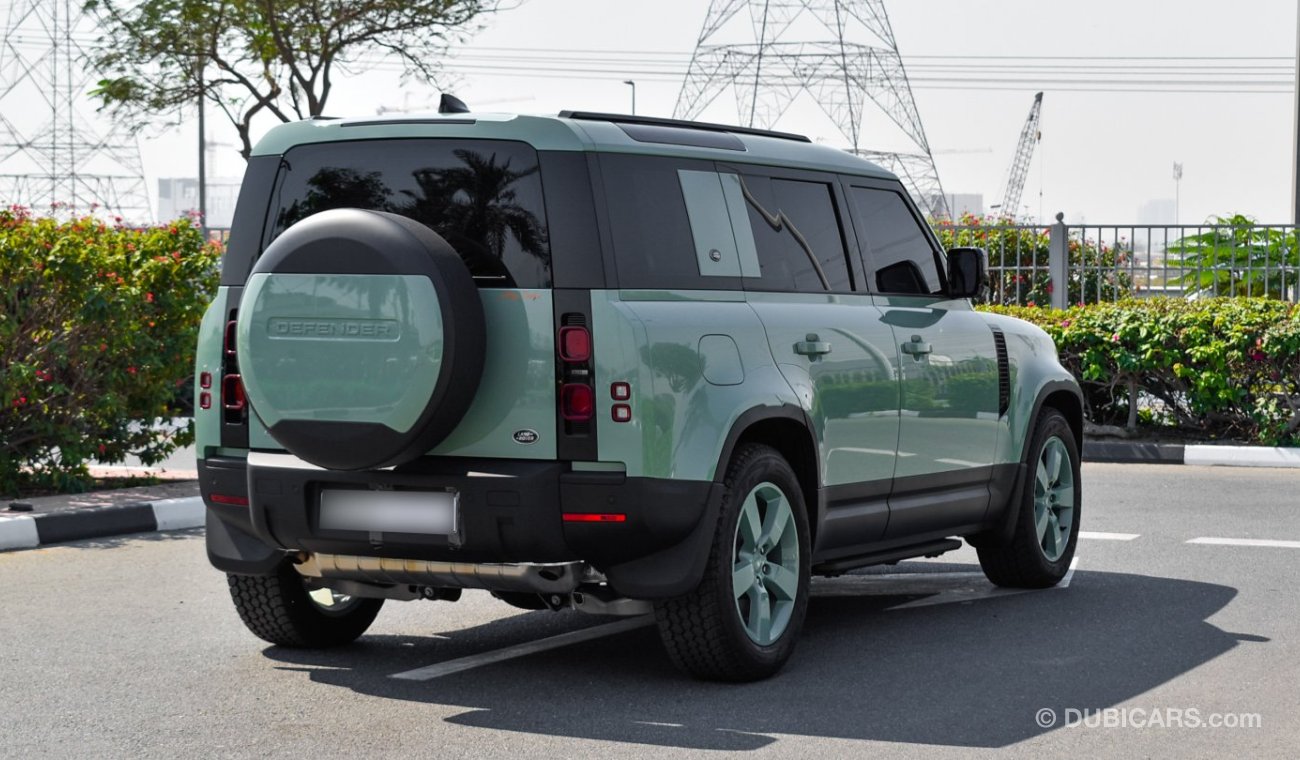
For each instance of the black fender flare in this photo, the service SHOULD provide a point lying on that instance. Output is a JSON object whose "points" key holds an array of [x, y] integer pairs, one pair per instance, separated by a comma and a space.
{"points": [[1006, 523]]}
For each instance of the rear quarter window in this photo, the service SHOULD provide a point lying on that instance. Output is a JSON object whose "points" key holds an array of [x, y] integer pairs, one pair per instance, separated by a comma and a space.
{"points": [[484, 197]]}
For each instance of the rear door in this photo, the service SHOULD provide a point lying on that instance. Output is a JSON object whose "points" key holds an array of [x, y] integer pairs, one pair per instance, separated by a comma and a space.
{"points": [[485, 198], [947, 364], [829, 341]]}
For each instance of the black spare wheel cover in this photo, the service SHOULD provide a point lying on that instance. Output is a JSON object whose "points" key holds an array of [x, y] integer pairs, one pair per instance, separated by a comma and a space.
{"points": [[339, 359]]}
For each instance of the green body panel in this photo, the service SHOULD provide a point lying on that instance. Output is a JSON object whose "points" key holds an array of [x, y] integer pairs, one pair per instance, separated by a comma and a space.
{"points": [[851, 392], [949, 401], [651, 340], [517, 390], [1034, 365], [341, 348], [207, 358]]}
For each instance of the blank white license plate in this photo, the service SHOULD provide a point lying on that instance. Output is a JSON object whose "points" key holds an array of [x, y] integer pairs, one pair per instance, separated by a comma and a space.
{"points": [[430, 512]]}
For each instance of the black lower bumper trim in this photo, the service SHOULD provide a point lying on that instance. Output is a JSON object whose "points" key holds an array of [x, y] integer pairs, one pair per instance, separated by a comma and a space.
{"points": [[509, 511]]}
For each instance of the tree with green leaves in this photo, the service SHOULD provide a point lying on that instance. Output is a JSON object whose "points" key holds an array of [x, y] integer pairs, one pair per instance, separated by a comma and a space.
{"points": [[254, 58]]}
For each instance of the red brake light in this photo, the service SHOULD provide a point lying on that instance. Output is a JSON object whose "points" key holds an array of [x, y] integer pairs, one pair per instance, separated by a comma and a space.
{"points": [[205, 400], [575, 344], [594, 517], [205, 379], [237, 501], [232, 393], [621, 413], [577, 402]]}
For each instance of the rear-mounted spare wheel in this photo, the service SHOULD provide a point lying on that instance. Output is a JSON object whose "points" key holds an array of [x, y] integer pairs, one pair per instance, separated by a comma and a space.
{"points": [[360, 339]]}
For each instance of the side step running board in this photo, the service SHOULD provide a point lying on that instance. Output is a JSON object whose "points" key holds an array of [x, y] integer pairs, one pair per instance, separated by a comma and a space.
{"points": [[930, 549]]}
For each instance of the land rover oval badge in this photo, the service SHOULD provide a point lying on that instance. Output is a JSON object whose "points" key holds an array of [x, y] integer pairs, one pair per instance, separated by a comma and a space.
{"points": [[526, 436]]}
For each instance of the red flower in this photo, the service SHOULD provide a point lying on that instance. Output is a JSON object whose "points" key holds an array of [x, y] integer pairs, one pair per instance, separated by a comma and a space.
{"points": [[102, 448], [1049, 287], [1114, 338], [148, 297], [130, 370]]}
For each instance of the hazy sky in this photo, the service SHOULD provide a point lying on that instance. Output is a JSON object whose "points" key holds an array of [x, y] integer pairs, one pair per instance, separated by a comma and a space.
{"points": [[1102, 154]]}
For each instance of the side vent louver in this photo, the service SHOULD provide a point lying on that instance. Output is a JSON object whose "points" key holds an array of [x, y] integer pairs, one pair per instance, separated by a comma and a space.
{"points": [[1004, 372]]}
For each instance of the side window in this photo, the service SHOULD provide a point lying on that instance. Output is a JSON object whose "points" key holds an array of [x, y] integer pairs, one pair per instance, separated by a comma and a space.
{"points": [[669, 222], [797, 235], [897, 252]]}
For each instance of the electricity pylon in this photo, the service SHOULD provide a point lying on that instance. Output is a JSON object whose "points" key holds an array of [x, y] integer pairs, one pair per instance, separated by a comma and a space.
{"points": [[842, 52], [52, 150]]}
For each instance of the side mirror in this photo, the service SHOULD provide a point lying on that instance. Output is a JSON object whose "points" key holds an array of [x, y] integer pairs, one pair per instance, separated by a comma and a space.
{"points": [[968, 273]]}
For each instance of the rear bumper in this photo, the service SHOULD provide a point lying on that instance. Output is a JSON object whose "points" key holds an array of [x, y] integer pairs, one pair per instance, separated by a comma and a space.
{"points": [[510, 511]]}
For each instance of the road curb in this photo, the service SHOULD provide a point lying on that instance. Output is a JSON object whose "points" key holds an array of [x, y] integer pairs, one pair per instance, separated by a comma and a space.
{"points": [[30, 530], [1126, 452]]}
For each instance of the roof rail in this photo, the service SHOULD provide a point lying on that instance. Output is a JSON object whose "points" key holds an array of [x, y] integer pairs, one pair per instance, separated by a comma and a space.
{"points": [[652, 121]]}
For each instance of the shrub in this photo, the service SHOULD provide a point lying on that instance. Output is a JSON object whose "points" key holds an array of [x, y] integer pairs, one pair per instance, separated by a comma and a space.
{"points": [[1239, 258], [97, 330], [1218, 367], [1018, 262]]}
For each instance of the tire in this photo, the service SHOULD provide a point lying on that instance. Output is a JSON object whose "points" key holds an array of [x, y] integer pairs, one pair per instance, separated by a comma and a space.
{"points": [[1041, 547], [414, 344], [717, 634], [280, 609]]}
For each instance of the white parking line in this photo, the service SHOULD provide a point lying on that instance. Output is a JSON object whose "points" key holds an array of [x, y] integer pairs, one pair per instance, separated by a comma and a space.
{"points": [[1247, 542], [522, 650], [1069, 574], [1096, 536]]}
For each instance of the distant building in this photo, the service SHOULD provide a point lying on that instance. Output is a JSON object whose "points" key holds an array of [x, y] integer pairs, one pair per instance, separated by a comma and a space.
{"points": [[964, 203], [178, 196], [1157, 211]]}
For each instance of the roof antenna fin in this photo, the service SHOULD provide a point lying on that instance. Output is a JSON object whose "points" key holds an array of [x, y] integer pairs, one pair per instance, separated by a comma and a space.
{"points": [[451, 104]]}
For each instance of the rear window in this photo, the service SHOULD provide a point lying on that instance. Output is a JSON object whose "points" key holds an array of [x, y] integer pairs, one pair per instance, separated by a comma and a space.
{"points": [[484, 197]]}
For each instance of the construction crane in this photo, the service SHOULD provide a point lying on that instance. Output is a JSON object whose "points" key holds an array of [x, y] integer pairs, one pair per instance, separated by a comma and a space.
{"points": [[1029, 137]]}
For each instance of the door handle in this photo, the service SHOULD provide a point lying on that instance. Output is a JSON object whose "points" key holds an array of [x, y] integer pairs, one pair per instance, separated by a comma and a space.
{"points": [[812, 346], [917, 348]]}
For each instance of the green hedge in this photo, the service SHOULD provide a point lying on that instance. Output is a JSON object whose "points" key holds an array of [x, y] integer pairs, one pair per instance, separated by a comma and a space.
{"points": [[97, 330], [1216, 368]]}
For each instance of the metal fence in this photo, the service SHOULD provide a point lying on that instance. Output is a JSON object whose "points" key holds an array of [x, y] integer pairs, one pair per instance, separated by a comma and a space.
{"points": [[1029, 263], [1109, 262]]}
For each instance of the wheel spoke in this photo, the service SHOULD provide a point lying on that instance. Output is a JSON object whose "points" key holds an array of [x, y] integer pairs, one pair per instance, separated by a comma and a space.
{"points": [[760, 616], [1053, 543], [750, 527], [781, 582], [1054, 460], [1041, 511], [1043, 483], [742, 578], [778, 517]]}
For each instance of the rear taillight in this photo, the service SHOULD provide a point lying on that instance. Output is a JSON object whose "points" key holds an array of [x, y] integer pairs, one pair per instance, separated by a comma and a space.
{"points": [[230, 337], [575, 344], [232, 393], [577, 397], [577, 402]]}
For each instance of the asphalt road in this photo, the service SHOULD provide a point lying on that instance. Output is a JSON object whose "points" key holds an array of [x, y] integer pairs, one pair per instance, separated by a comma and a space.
{"points": [[130, 648]]}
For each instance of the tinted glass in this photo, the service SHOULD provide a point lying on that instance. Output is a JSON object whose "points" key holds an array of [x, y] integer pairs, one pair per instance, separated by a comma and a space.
{"points": [[484, 197], [654, 247], [897, 251], [797, 233]]}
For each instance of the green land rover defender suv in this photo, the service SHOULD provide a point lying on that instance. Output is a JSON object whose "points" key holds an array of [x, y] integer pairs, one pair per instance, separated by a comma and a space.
{"points": [[618, 364]]}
